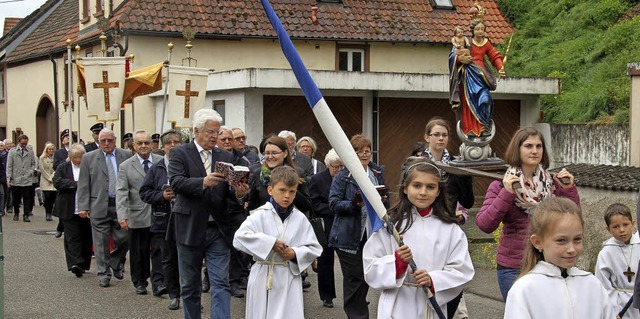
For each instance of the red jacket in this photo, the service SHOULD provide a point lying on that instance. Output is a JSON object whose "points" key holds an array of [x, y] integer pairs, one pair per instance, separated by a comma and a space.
{"points": [[499, 206]]}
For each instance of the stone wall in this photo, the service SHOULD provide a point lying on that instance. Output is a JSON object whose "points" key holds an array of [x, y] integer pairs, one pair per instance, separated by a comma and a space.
{"points": [[594, 202]]}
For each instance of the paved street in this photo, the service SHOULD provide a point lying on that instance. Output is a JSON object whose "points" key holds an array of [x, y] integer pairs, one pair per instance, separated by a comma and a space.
{"points": [[37, 285]]}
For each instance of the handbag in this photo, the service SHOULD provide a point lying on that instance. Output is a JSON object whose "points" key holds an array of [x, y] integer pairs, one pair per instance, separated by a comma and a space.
{"points": [[317, 223]]}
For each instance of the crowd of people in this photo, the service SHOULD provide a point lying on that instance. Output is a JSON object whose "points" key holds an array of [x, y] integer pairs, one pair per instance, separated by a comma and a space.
{"points": [[164, 202]]}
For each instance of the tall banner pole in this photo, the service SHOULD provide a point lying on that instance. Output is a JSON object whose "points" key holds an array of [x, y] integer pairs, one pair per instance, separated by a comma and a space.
{"points": [[166, 87], [69, 91]]}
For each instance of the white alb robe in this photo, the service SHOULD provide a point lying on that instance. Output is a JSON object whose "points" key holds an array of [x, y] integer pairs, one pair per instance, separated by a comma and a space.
{"points": [[613, 260], [256, 236], [543, 293], [438, 247]]}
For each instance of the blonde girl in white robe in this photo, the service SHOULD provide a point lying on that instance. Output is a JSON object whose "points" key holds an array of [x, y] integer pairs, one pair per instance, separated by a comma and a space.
{"points": [[283, 244], [617, 264], [438, 246], [552, 287]]}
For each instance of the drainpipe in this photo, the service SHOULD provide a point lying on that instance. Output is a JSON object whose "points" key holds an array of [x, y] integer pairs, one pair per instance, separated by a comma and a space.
{"points": [[375, 132], [55, 96]]}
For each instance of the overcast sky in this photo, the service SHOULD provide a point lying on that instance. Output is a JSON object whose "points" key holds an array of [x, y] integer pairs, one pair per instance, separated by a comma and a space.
{"points": [[17, 9]]}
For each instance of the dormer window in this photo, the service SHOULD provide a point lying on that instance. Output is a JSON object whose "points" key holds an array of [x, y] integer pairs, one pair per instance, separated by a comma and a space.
{"points": [[442, 4]]}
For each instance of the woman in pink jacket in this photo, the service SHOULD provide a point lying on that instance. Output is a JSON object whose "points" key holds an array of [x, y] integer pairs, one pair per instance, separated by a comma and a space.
{"points": [[511, 205]]}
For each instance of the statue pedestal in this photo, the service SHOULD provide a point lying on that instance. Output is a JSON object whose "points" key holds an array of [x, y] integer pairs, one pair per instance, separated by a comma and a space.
{"points": [[475, 150]]}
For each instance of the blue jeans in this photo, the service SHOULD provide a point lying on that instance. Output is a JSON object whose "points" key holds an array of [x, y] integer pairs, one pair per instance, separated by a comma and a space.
{"points": [[506, 278], [216, 253]]}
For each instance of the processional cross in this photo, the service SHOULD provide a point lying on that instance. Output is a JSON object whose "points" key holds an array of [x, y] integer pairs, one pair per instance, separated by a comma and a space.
{"points": [[187, 93], [105, 85]]}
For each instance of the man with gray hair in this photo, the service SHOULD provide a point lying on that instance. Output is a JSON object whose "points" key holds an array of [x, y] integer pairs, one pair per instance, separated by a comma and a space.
{"points": [[302, 161], [201, 226], [97, 199], [134, 215], [240, 145]]}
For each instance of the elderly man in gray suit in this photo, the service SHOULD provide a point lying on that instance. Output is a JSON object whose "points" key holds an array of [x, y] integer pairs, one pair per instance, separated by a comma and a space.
{"points": [[21, 166], [97, 199], [134, 215]]}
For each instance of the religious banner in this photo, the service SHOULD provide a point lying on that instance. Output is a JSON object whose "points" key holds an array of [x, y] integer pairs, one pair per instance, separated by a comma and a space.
{"points": [[104, 79], [143, 81], [187, 90]]}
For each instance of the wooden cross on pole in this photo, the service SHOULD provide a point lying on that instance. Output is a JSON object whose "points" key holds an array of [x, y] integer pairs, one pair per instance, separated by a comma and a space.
{"points": [[105, 85], [187, 93], [629, 273]]}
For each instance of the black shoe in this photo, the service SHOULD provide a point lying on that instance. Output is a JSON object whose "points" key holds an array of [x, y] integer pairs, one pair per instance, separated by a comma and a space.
{"points": [[174, 304], [58, 234], [162, 290], [77, 271], [306, 284], [16, 217], [25, 219], [237, 292], [206, 285], [105, 282], [119, 272], [243, 283], [327, 303], [141, 290]]}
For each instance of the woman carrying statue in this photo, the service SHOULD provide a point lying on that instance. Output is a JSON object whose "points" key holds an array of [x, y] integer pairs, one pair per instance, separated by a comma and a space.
{"points": [[470, 81]]}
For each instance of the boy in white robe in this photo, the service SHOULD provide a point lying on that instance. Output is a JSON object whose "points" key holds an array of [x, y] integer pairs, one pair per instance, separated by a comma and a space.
{"points": [[283, 244], [618, 260]]}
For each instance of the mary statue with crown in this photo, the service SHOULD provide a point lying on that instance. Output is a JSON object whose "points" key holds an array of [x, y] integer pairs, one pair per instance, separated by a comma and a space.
{"points": [[471, 80]]}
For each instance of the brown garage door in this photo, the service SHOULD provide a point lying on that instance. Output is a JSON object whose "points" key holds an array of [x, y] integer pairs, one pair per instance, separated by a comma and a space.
{"points": [[402, 122], [294, 114]]}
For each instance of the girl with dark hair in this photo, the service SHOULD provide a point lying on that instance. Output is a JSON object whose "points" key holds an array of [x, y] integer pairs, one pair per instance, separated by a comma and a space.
{"points": [[440, 248], [512, 206]]}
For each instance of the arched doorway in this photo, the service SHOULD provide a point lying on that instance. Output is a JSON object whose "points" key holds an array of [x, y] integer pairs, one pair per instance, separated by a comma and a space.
{"points": [[45, 125]]}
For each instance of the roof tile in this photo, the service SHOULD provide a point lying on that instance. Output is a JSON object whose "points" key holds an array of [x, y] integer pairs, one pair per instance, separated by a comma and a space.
{"points": [[610, 177]]}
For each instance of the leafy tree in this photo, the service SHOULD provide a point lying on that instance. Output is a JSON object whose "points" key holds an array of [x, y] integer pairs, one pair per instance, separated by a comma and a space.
{"points": [[584, 43]]}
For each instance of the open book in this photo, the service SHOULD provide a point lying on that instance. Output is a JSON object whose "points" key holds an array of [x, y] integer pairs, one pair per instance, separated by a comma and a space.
{"points": [[382, 190], [233, 174]]}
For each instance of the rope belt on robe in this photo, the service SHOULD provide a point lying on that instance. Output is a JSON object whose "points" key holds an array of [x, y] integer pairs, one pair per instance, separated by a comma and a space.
{"points": [[272, 263], [624, 290]]}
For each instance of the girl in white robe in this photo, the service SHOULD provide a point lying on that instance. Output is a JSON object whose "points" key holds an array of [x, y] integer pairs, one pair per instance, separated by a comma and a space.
{"points": [[438, 247], [617, 263], [274, 289], [551, 287]]}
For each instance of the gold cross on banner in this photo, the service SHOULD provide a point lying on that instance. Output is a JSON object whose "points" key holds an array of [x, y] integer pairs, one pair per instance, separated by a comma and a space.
{"points": [[187, 93], [105, 85]]}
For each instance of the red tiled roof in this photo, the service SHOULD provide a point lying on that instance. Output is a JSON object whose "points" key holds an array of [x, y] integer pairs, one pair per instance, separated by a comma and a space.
{"points": [[9, 23], [352, 20], [616, 178], [360, 20], [50, 34]]}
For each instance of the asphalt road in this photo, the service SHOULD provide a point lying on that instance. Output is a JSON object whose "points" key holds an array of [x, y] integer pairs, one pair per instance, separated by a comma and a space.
{"points": [[37, 285]]}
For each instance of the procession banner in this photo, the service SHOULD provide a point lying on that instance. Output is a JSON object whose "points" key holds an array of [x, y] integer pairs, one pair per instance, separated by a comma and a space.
{"points": [[187, 90], [104, 79], [143, 81]]}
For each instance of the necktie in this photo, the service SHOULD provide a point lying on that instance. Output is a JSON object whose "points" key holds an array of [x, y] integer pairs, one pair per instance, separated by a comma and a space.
{"points": [[145, 165], [22, 152], [112, 176], [207, 161]]}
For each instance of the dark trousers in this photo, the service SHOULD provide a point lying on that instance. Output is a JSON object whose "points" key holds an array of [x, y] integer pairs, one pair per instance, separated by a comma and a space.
{"points": [[354, 287], [157, 275], [238, 267], [139, 255], [27, 194], [3, 197], [78, 242], [49, 200], [326, 278], [170, 268], [8, 197]]}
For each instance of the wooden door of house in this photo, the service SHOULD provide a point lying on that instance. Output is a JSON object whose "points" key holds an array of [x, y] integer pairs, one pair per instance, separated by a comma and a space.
{"points": [[402, 122], [293, 113]]}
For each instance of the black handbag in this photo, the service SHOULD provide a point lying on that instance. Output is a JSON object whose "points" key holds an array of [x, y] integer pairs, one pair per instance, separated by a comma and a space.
{"points": [[317, 223]]}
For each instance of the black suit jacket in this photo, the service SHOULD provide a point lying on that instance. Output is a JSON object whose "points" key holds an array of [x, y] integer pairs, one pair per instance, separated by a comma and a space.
{"points": [[59, 157], [91, 147], [195, 203], [319, 193], [65, 184]]}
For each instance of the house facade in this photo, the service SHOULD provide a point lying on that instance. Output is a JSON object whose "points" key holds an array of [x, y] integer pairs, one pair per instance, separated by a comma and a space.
{"points": [[381, 65]]}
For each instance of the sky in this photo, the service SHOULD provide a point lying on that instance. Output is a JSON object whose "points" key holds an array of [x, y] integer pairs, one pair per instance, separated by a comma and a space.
{"points": [[17, 9]]}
